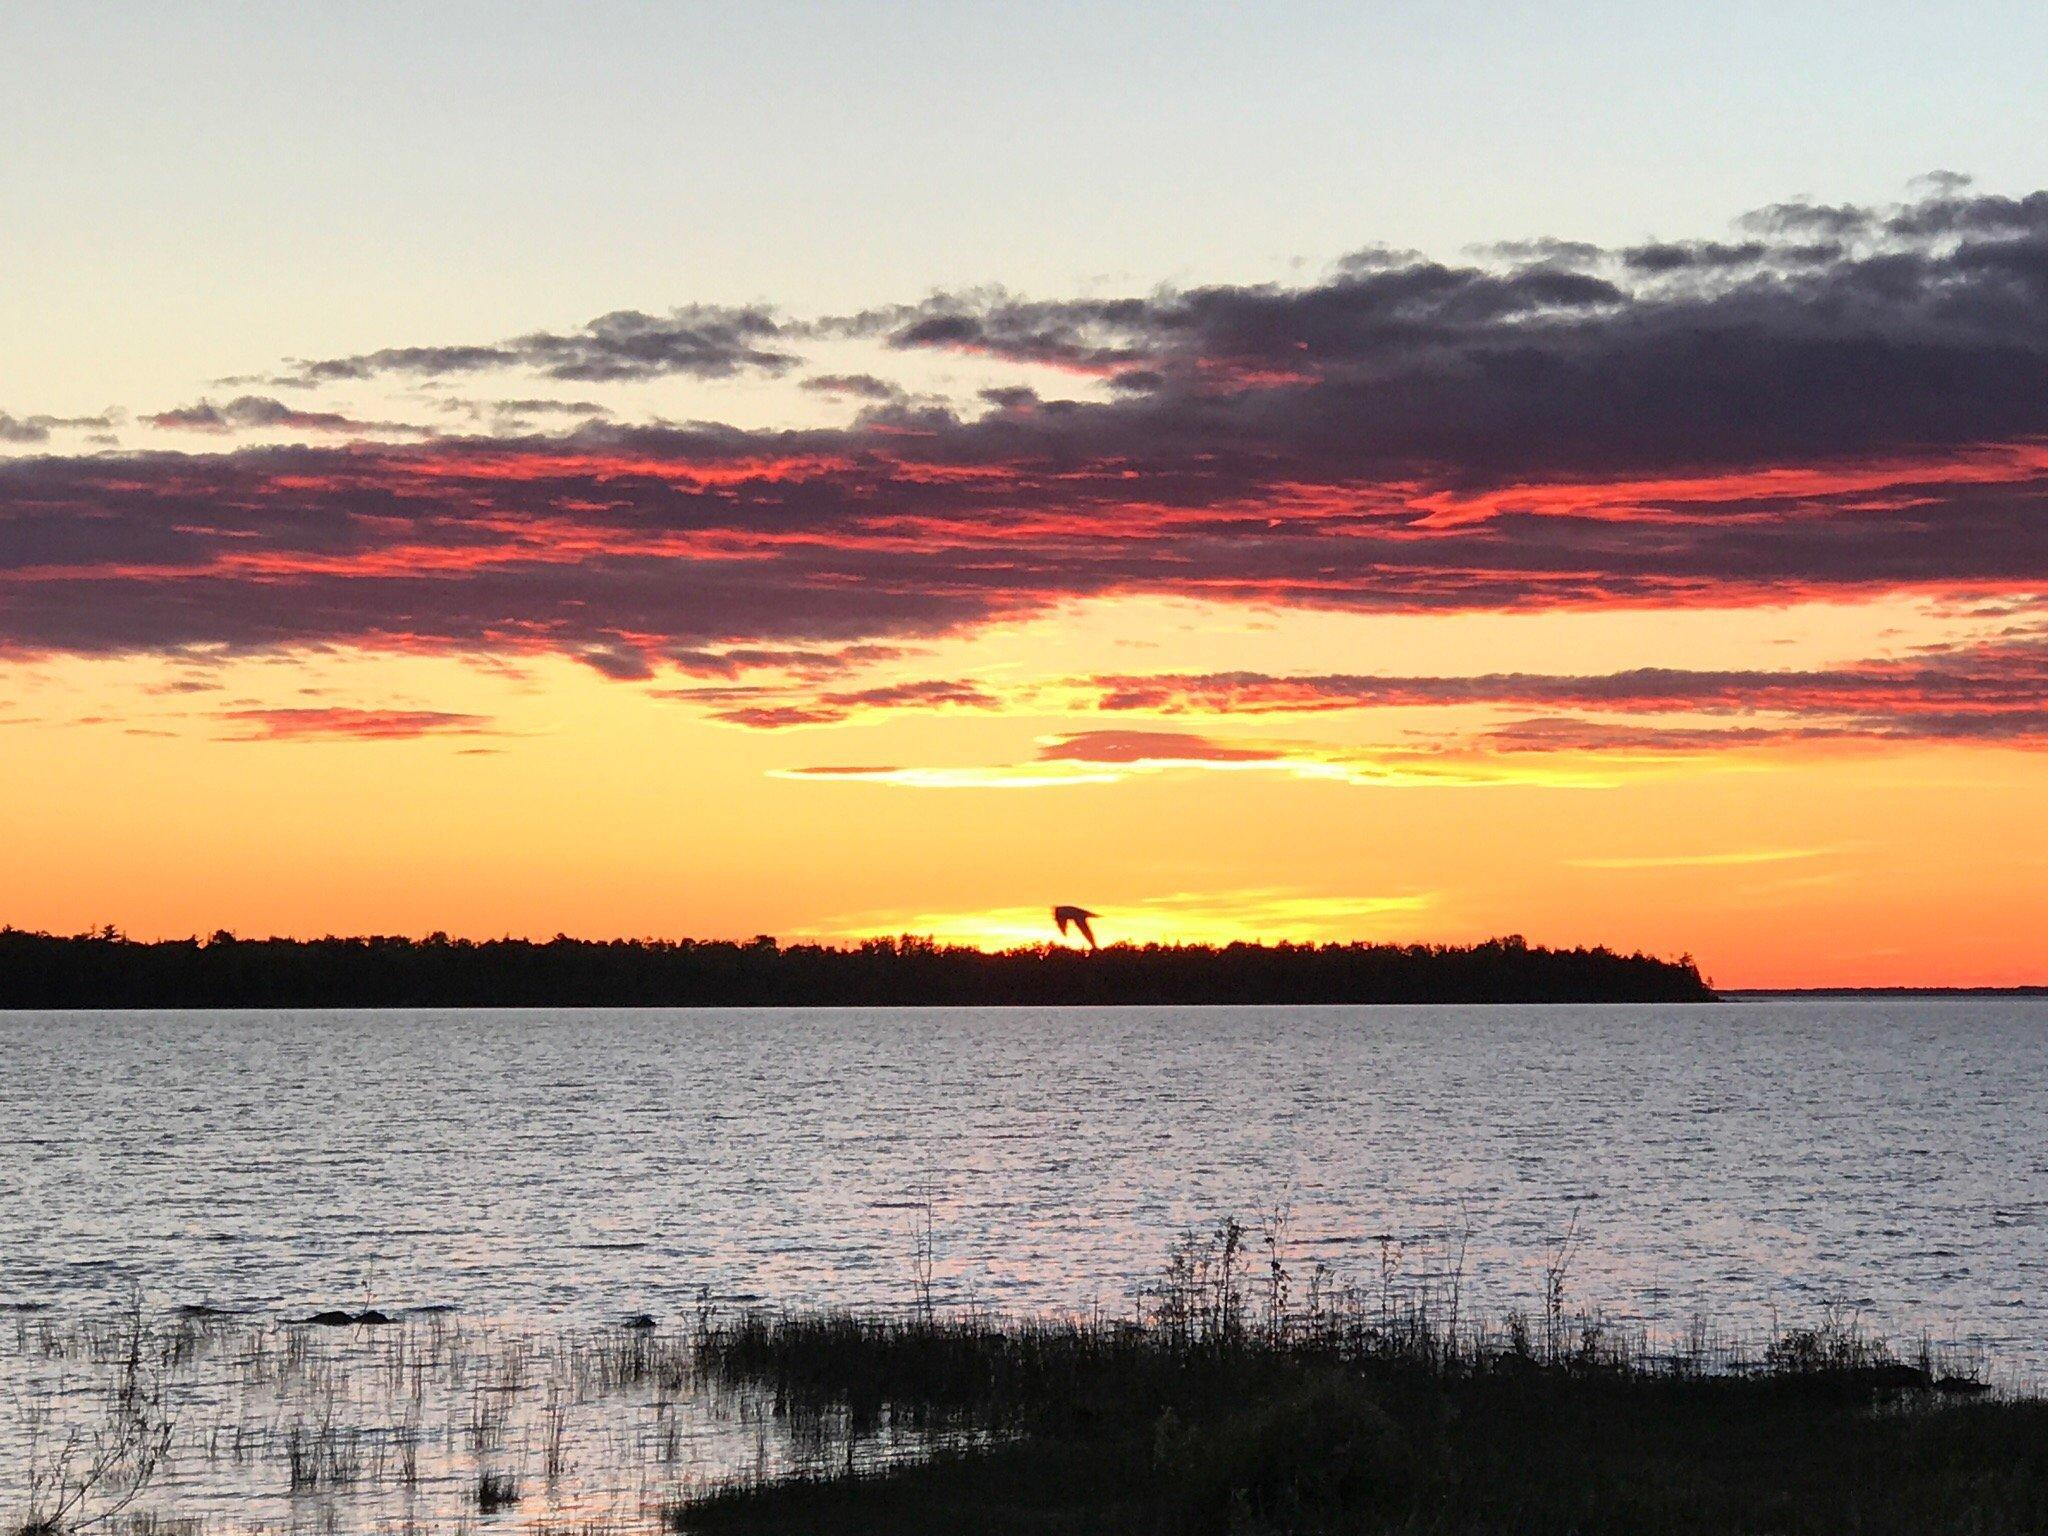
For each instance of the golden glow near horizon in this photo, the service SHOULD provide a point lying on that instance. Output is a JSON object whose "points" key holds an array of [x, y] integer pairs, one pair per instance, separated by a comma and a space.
{"points": [[349, 791]]}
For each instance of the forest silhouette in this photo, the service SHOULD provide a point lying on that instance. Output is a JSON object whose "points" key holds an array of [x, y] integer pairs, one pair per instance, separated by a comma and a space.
{"points": [[104, 969]]}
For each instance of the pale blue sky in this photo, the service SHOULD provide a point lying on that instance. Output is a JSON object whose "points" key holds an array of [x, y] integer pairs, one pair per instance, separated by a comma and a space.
{"points": [[188, 191]]}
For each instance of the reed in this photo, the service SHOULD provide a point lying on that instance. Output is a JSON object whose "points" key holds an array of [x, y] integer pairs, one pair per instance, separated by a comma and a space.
{"points": [[1236, 1398], [1242, 1389], [495, 1491]]}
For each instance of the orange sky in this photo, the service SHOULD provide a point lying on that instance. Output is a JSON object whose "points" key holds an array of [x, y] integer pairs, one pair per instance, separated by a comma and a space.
{"points": [[1678, 595], [583, 804]]}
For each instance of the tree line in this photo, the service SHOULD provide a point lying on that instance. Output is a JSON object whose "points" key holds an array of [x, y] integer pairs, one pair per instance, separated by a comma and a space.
{"points": [[104, 969]]}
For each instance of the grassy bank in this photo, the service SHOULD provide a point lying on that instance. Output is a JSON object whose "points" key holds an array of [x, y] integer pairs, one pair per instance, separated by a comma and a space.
{"points": [[1226, 1408]]}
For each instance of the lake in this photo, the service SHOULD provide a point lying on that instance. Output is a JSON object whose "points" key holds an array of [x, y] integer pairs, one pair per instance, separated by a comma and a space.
{"points": [[510, 1186], [1746, 1159]]}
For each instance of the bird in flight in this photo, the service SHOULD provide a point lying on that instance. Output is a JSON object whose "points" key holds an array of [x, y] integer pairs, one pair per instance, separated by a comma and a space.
{"points": [[1078, 916]]}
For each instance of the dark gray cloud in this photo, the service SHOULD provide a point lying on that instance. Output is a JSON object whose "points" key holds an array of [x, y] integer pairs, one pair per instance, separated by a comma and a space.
{"points": [[1828, 331], [586, 410], [703, 341], [37, 429], [429, 362], [264, 413], [853, 386], [1401, 435], [1679, 256]]}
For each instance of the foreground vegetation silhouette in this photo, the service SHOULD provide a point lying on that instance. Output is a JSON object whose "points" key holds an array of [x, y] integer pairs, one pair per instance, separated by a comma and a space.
{"points": [[1246, 1402], [105, 970], [1106, 1431], [1251, 1387]]}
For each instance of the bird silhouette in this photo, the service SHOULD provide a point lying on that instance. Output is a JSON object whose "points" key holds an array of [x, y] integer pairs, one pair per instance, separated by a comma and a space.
{"points": [[1078, 916]]}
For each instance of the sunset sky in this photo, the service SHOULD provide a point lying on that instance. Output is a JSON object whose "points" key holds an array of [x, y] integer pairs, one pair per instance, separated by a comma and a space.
{"points": [[1256, 473]]}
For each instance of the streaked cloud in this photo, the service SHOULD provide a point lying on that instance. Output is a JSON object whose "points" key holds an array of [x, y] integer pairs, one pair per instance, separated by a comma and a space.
{"points": [[759, 708], [1992, 677], [343, 724], [966, 776], [25, 430], [1111, 756], [703, 341], [1727, 858], [1986, 691], [854, 386], [265, 413]]}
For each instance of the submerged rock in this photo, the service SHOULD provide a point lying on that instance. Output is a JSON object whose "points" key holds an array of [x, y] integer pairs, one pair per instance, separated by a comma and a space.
{"points": [[331, 1319], [639, 1322]]}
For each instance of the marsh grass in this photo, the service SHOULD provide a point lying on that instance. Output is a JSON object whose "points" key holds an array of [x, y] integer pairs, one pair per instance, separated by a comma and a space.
{"points": [[496, 1491], [1242, 1390], [1243, 1398], [199, 1422]]}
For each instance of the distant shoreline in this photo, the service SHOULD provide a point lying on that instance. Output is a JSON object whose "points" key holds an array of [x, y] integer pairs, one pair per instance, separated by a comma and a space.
{"points": [[107, 971]]}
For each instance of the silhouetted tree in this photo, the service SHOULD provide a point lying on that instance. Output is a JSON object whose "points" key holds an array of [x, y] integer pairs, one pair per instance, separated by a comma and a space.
{"points": [[102, 969]]}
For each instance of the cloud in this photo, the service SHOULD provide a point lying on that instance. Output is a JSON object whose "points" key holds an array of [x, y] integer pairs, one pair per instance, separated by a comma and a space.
{"points": [[756, 707], [620, 663], [349, 724], [524, 413], [1735, 858], [1154, 748], [1986, 691], [1860, 409], [966, 776], [1113, 756], [1826, 333], [1990, 690], [853, 386], [800, 663], [37, 429], [701, 341], [532, 407], [1574, 734], [264, 413]]}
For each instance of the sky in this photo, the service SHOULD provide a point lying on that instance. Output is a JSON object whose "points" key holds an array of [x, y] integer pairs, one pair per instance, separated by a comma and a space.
{"points": [[1387, 472]]}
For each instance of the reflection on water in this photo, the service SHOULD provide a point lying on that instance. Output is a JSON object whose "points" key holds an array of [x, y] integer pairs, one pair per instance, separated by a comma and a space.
{"points": [[207, 1423]]}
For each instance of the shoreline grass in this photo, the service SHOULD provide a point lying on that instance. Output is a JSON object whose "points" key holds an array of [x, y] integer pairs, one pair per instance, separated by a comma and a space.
{"points": [[1228, 1407], [1235, 1395]]}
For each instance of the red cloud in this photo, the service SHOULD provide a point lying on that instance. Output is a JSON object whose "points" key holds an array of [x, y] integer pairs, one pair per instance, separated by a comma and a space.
{"points": [[1981, 692], [766, 708], [463, 547], [1151, 747], [1777, 419], [350, 724]]}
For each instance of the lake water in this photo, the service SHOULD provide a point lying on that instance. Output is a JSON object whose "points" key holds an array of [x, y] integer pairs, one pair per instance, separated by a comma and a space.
{"points": [[1747, 1159], [510, 1185]]}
